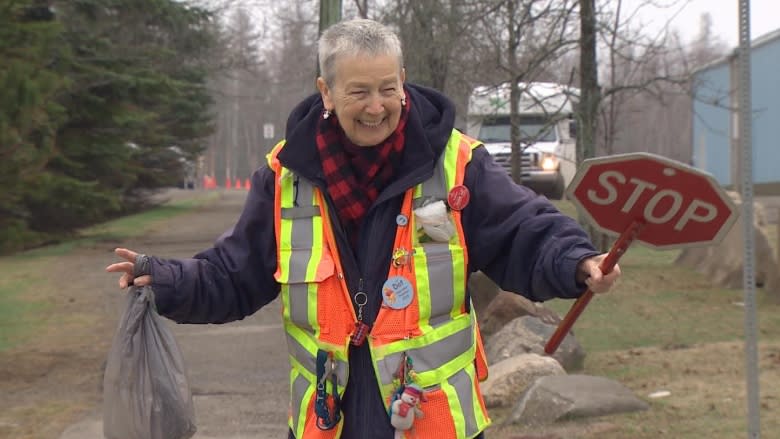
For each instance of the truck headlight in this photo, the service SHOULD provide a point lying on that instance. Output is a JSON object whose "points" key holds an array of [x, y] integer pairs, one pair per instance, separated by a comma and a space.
{"points": [[549, 162]]}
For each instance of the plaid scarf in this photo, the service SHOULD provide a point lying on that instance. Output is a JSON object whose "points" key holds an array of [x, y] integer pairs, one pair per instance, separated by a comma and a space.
{"points": [[355, 175]]}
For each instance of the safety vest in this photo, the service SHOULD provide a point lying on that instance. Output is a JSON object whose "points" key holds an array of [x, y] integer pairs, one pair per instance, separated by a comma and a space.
{"points": [[433, 331]]}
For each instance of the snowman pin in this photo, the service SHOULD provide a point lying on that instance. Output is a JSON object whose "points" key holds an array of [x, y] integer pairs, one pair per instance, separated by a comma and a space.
{"points": [[405, 409]]}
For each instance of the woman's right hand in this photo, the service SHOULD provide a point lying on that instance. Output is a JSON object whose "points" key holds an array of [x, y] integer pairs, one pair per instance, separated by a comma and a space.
{"points": [[131, 275]]}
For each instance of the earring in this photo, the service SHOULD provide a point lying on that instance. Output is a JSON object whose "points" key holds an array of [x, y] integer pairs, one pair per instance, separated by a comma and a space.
{"points": [[403, 101], [326, 114]]}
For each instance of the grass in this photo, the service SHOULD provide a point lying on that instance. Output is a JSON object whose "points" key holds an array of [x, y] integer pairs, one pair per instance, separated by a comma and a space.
{"points": [[665, 327], [15, 311], [125, 227], [663, 305], [24, 274]]}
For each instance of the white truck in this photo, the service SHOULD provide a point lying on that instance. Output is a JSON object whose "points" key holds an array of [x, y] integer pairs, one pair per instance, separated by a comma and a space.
{"points": [[547, 130]]}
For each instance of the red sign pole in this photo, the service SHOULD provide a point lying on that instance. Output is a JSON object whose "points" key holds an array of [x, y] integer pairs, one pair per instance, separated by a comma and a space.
{"points": [[618, 249]]}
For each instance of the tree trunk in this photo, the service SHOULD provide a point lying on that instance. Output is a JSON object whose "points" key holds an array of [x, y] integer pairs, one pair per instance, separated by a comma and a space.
{"points": [[589, 83], [514, 97], [590, 95]]}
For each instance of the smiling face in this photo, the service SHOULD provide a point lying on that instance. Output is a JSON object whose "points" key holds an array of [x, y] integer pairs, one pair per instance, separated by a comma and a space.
{"points": [[409, 398], [366, 96]]}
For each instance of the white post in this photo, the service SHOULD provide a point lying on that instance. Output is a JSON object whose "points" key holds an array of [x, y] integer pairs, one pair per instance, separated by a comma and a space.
{"points": [[746, 187]]}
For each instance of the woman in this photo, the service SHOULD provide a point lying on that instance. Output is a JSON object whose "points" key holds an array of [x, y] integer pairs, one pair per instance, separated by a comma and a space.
{"points": [[367, 220]]}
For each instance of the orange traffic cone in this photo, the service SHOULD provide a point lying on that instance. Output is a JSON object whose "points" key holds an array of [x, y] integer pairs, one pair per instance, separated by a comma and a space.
{"points": [[228, 184], [238, 183], [247, 184]]}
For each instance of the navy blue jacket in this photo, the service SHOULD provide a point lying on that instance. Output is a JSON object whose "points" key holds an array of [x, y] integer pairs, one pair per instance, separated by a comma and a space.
{"points": [[517, 238]]}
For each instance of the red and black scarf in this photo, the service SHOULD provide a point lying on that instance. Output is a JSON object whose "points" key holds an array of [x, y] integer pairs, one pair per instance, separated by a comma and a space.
{"points": [[355, 175]]}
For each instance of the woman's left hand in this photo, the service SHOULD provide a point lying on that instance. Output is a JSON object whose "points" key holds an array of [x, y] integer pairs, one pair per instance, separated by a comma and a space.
{"points": [[589, 273]]}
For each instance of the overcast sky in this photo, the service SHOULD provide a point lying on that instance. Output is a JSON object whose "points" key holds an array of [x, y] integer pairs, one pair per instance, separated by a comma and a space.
{"points": [[764, 17]]}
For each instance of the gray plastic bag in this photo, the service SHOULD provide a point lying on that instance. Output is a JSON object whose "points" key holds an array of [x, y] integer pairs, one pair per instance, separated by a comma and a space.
{"points": [[145, 389]]}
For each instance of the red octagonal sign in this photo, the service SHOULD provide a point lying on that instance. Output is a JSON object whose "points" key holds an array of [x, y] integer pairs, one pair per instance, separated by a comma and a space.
{"points": [[677, 205]]}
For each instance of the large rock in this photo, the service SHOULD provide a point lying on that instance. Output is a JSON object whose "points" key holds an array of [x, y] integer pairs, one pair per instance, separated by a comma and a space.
{"points": [[529, 334], [723, 263], [509, 378], [562, 397], [504, 308], [483, 291]]}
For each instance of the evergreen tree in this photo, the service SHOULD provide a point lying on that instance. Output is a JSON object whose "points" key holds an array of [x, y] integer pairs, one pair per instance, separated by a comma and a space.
{"points": [[29, 112], [138, 92], [98, 104]]}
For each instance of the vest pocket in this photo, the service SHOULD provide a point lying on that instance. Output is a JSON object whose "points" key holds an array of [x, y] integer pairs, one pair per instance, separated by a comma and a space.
{"points": [[437, 420], [453, 408], [305, 278], [305, 265], [444, 282]]}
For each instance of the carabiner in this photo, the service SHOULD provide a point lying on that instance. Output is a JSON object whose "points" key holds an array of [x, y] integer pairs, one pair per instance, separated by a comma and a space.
{"points": [[327, 406]]}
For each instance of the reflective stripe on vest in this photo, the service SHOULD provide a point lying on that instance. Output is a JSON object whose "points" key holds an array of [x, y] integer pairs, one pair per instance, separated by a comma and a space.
{"points": [[435, 331], [311, 286]]}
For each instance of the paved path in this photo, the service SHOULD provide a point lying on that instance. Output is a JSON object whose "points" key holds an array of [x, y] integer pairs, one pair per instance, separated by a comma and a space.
{"points": [[238, 371]]}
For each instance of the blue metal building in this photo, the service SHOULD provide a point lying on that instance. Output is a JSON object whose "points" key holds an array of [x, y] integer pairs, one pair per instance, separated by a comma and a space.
{"points": [[715, 131]]}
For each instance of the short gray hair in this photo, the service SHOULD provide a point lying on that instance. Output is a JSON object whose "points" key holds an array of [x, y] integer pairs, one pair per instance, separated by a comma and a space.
{"points": [[358, 36]]}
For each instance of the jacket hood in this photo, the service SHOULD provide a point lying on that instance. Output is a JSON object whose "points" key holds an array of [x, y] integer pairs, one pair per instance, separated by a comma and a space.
{"points": [[430, 123]]}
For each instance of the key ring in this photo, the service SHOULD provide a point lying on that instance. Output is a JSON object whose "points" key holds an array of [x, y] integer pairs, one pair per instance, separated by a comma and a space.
{"points": [[360, 299], [363, 296]]}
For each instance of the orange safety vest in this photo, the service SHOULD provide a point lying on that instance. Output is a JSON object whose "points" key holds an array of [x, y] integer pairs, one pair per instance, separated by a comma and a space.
{"points": [[434, 329]]}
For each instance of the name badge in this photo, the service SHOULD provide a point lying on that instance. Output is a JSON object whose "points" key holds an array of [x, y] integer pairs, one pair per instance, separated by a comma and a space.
{"points": [[397, 292]]}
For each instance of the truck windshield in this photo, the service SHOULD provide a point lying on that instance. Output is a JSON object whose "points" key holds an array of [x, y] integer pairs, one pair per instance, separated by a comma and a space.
{"points": [[532, 129]]}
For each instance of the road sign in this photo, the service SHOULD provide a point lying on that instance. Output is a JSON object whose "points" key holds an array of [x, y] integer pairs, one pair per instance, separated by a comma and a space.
{"points": [[268, 131], [678, 205], [654, 200]]}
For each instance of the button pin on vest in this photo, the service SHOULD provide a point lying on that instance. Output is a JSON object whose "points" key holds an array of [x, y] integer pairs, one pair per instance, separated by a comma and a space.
{"points": [[458, 198], [401, 257]]}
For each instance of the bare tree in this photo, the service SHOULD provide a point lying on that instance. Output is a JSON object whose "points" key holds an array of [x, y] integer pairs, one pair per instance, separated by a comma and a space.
{"points": [[455, 45], [233, 148], [291, 58], [525, 40], [362, 8], [645, 102], [428, 30]]}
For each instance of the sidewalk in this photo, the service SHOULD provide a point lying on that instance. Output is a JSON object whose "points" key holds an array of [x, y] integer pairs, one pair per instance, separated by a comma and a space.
{"points": [[238, 371]]}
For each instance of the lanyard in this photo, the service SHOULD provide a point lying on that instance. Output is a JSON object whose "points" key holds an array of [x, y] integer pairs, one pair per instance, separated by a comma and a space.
{"points": [[327, 406]]}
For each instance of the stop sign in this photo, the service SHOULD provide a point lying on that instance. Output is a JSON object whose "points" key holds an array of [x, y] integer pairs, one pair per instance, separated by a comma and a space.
{"points": [[677, 204]]}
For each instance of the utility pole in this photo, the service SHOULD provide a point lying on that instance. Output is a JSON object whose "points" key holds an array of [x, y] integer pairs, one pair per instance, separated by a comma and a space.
{"points": [[590, 98], [589, 83], [330, 13]]}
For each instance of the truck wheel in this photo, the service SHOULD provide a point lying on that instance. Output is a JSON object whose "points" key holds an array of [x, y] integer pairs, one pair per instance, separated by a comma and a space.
{"points": [[557, 189]]}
